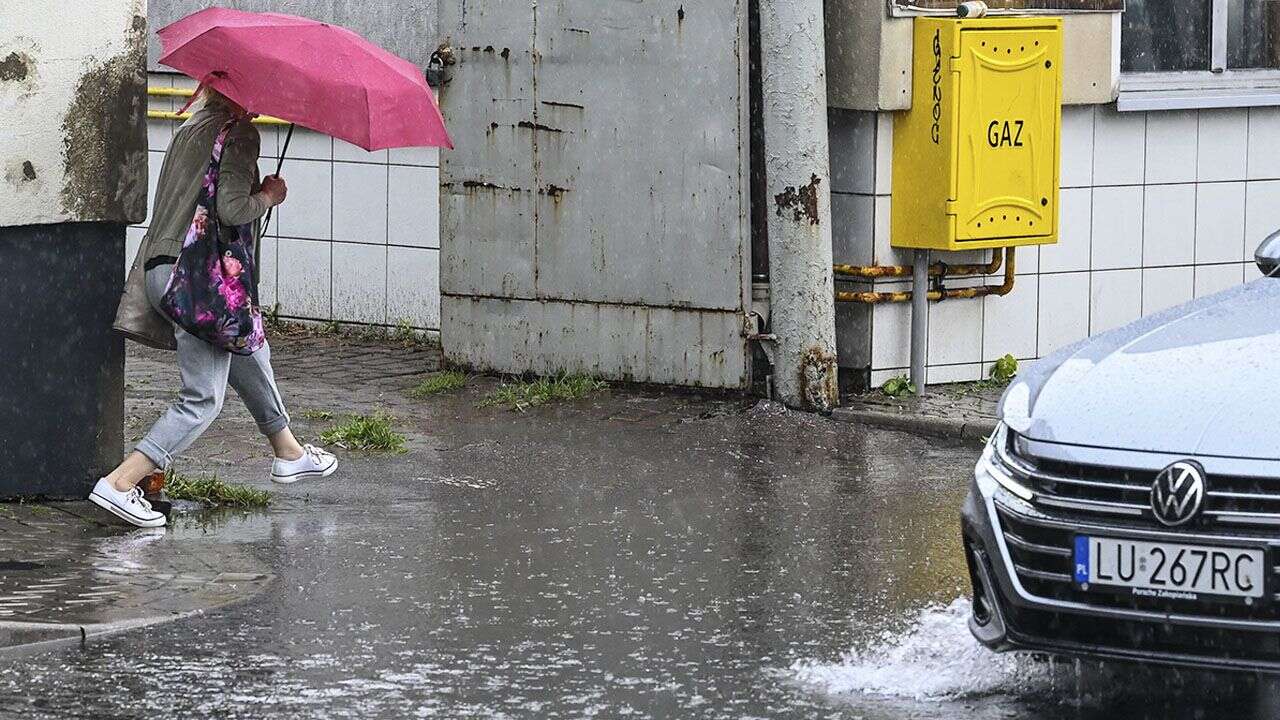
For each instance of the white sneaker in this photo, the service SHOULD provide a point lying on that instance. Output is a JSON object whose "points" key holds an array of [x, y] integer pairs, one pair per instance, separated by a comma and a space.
{"points": [[314, 463], [128, 506]]}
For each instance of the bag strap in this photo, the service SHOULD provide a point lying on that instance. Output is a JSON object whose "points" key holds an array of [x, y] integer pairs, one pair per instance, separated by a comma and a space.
{"points": [[214, 169], [210, 193]]}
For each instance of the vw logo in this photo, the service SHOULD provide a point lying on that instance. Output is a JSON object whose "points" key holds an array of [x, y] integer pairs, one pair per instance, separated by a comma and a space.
{"points": [[1177, 495]]}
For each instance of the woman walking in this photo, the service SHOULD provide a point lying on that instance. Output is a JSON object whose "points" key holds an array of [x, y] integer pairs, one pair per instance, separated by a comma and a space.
{"points": [[178, 218]]}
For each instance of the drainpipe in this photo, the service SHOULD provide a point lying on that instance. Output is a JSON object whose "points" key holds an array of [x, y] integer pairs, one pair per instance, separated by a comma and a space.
{"points": [[798, 167]]}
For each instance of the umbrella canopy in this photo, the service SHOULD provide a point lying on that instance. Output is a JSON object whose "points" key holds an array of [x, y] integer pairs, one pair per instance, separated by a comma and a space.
{"points": [[317, 75]]}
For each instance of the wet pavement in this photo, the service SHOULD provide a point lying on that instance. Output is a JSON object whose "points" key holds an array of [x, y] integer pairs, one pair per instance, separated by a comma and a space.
{"points": [[67, 571], [960, 411], [632, 555]]}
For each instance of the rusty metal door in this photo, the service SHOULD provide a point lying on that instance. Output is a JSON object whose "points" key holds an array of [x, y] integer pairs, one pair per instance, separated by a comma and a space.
{"points": [[594, 212]]}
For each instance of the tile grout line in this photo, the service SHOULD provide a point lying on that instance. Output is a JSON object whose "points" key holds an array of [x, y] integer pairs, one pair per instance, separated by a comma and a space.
{"points": [[1142, 196], [1093, 162]]}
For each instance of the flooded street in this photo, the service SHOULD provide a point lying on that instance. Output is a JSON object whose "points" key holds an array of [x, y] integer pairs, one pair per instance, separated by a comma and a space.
{"points": [[630, 556]]}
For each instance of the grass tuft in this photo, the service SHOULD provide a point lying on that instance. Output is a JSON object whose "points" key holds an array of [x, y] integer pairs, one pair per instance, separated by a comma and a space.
{"points": [[366, 432], [313, 414], [1004, 370], [521, 394], [441, 382], [898, 387], [212, 491]]}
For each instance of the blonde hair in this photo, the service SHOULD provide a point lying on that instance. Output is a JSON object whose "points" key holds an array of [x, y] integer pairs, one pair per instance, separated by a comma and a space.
{"points": [[212, 98]]}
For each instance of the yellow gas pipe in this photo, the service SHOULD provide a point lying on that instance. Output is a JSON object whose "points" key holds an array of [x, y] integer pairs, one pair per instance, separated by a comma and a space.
{"points": [[184, 93], [935, 270]]}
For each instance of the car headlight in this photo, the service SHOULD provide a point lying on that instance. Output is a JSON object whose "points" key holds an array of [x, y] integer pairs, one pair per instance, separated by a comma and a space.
{"points": [[992, 467]]}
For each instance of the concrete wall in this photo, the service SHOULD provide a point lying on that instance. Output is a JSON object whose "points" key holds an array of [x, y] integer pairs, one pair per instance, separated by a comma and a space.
{"points": [[593, 216], [1157, 208], [405, 27], [869, 56], [358, 239], [72, 175], [71, 98]]}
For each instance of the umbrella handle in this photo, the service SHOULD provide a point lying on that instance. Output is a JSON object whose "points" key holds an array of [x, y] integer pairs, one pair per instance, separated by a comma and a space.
{"points": [[266, 224], [279, 164]]}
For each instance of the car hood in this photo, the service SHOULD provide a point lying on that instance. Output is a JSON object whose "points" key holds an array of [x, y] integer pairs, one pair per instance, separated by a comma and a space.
{"points": [[1196, 380]]}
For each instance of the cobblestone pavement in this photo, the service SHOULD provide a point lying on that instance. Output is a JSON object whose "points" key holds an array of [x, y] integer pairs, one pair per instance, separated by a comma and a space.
{"points": [[319, 376]]}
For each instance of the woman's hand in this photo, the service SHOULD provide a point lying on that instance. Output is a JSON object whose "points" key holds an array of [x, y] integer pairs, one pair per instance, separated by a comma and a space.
{"points": [[274, 190]]}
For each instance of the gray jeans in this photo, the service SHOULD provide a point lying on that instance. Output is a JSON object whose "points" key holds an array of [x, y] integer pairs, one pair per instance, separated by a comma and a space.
{"points": [[205, 371]]}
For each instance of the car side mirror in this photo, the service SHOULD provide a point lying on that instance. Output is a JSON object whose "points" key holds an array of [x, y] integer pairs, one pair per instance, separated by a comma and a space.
{"points": [[1267, 256]]}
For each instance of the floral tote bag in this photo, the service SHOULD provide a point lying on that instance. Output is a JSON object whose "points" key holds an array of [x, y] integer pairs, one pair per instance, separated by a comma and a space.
{"points": [[213, 291]]}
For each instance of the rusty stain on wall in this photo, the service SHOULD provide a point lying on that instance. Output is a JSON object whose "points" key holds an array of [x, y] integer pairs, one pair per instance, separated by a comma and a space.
{"points": [[538, 126], [818, 379], [104, 134], [802, 203]]}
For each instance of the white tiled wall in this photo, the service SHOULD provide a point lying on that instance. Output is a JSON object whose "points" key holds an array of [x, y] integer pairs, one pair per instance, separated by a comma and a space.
{"points": [[1157, 208], [358, 239]]}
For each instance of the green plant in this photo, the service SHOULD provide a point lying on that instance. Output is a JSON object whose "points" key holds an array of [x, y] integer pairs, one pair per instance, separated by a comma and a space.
{"points": [[366, 432], [898, 386], [437, 383], [522, 394], [404, 330], [1004, 369], [212, 491], [313, 414]]}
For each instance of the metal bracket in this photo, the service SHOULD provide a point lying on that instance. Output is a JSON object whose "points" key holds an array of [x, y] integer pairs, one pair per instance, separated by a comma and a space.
{"points": [[754, 331]]}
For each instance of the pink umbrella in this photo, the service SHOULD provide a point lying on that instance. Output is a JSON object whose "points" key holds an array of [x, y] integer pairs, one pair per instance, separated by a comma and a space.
{"points": [[317, 75]]}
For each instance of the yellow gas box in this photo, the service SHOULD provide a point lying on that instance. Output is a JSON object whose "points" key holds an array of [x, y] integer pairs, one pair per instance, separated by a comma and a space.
{"points": [[975, 159]]}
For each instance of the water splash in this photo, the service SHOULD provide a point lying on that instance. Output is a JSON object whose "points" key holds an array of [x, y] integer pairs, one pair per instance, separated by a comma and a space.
{"points": [[934, 659]]}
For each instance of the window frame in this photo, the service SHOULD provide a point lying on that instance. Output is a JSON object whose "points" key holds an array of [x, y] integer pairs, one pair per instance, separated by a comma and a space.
{"points": [[1217, 87]]}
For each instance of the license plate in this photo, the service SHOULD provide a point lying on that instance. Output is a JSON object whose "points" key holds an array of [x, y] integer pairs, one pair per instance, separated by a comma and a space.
{"points": [[1170, 570]]}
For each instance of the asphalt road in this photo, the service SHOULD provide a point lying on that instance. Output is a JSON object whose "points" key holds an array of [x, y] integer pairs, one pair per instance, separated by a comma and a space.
{"points": [[629, 556]]}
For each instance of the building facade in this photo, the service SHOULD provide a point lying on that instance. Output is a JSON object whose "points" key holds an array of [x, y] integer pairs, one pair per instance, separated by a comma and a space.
{"points": [[1170, 175], [640, 265], [72, 176]]}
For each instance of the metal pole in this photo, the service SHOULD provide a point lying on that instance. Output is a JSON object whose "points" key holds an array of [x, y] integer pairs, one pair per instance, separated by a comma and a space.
{"points": [[798, 167], [919, 319]]}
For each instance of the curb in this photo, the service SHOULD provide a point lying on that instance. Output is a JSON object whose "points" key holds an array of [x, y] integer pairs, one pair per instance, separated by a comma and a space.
{"points": [[977, 429], [20, 639]]}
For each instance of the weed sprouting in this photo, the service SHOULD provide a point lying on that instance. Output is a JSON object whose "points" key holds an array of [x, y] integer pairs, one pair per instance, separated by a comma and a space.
{"points": [[522, 394], [366, 432]]}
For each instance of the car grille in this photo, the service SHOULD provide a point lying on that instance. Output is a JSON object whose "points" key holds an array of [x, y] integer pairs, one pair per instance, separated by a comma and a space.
{"points": [[1040, 549], [1124, 494], [1067, 496]]}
